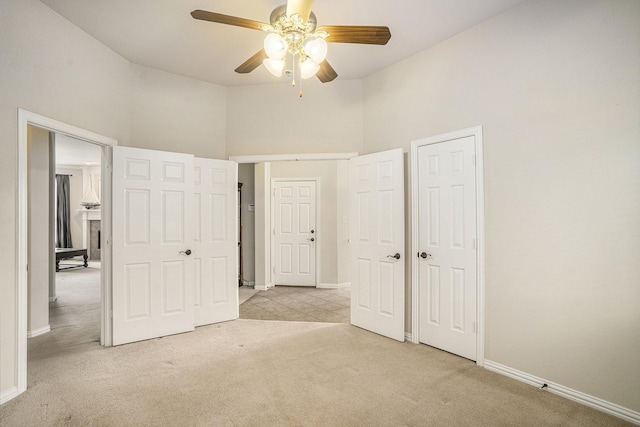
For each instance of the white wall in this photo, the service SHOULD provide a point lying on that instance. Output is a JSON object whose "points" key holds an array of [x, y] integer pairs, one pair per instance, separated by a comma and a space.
{"points": [[40, 267], [246, 177], [556, 87], [262, 172], [272, 119], [343, 247], [179, 114]]}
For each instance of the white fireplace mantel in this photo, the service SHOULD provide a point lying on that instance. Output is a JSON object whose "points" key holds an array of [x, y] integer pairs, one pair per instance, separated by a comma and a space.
{"points": [[88, 215]]}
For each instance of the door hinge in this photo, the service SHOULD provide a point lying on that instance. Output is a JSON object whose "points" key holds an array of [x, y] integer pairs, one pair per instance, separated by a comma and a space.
{"points": [[27, 268]]}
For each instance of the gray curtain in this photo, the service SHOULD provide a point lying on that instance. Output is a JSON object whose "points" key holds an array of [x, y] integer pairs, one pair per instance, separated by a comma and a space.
{"points": [[63, 212]]}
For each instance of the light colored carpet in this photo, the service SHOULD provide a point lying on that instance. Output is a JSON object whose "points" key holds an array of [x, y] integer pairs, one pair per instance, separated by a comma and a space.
{"points": [[294, 303], [245, 292], [273, 373]]}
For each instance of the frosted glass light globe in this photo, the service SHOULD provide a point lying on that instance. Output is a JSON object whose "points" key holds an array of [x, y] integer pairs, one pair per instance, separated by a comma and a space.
{"points": [[316, 49], [275, 66], [275, 46]]}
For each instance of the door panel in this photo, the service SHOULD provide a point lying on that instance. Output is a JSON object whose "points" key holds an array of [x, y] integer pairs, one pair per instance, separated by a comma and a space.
{"points": [[377, 235], [152, 279], [216, 245], [294, 229], [447, 231]]}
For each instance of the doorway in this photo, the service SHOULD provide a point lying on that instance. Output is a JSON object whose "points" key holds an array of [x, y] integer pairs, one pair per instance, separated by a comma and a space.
{"points": [[26, 119], [448, 242], [75, 297]]}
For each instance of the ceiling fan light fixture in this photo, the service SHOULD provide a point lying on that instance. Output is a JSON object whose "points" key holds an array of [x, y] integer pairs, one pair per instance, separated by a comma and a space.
{"points": [[316, 49], [275, 66], [308, 68], [275, 46]]}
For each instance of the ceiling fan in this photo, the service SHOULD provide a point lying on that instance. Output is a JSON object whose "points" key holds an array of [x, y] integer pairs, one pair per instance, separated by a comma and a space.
{"points": [[293, 30]]}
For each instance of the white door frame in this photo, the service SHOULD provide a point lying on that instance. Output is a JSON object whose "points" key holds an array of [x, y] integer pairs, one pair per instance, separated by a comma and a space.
{"points": [[273, 219], [475, 132], [268, 158], [26, 118]]}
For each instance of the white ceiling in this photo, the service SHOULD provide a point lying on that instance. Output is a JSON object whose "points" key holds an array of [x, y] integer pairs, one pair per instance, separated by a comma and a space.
{"points": [[74, 152], [162, 34]]}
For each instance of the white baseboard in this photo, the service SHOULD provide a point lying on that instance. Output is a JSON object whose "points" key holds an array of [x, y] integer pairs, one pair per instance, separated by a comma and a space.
{"points": [[53, 299], [408, 336], [248, 284], [8, 394], [38, 332], [262, 287], [568, 393], [345, 285]]}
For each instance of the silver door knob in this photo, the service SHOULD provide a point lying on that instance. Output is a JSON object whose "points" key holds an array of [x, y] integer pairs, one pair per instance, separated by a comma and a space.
{"points": [[187, 252], [424, 255], [396, 256]]}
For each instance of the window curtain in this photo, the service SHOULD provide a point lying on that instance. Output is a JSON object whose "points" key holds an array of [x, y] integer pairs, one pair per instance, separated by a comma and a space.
{"points": [[63, 212]]}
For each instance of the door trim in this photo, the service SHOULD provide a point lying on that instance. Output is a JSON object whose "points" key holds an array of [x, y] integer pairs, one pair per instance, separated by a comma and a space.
{"points": [[475, 132], [318, 219], [265, 247], [26, 118]]}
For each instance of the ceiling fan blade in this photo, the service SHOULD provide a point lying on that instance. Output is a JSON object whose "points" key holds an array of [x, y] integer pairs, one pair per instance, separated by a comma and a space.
{"points": [[301, 7], [252, 63], [357, 34], [326, 73], [203, 15]]}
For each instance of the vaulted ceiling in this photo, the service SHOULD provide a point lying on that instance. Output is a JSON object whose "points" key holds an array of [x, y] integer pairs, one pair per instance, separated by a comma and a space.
{"points": [[161, 34]]}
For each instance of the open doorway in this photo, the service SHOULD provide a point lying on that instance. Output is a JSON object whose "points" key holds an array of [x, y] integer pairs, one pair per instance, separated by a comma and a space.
{"points": [[27, 120], [64, 233], [75, 300], [328, 299]]}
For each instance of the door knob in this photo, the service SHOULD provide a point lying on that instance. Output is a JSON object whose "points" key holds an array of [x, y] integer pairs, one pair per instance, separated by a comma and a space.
{"points": [[396, 256], [312, 239], [313, 231], [424, 255], [187, 252]]}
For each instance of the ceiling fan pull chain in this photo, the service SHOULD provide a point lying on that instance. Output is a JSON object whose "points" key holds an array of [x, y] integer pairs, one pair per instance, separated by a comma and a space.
{"points": [[293, 70], [300, 95]]}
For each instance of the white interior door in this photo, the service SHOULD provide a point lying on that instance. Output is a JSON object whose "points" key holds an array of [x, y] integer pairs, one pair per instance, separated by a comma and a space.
{"points": [[152, 231], [377, 241], [215, 247], [447, 244], [295, 233]]}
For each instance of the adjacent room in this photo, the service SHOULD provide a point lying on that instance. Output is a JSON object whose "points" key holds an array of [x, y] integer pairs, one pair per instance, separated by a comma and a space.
{"points": [[460, 180]]}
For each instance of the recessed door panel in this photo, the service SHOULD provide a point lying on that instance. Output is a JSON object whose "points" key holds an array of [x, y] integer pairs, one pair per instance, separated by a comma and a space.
{"points": [[173, 222], [137, 225], [173, 287], [364, 284], [137, 291], [218, 217], [219, 275]]}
